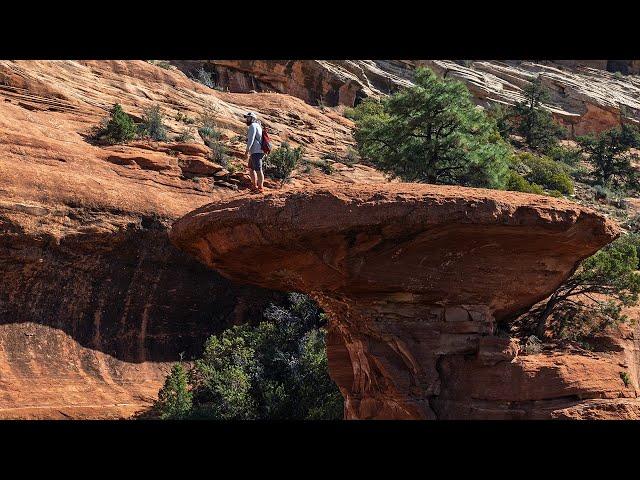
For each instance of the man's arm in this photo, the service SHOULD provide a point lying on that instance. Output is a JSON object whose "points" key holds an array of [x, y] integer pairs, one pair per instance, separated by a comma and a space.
{"points": [[251, 135]]}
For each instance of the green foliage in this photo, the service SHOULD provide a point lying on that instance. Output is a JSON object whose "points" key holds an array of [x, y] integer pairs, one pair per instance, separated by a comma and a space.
{"points": [[274, 370], [218, 151], [593, 298], [517, 183], [534, 123], [533, 345], [625, 378], [431, 132], [609, 153], [161, 63], [502, 118], [153, 124], [209, 133], [221, 380], [610, 196], [208, 129], [567, 155], [546, 173], [119, 128], [175, 399], [281, 162]]}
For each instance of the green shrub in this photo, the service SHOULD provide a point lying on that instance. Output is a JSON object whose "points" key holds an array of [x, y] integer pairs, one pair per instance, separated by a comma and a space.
{"points": [[118, 128], [326, 167], [281, 162], [593, 297], [517, 183], [610, 196], [209, 116], [276, 369], [611, 156], [211, 133], [174, 399], [532, 121], [502, 118], [567, 155], [218, 151], [153, 124], [533, 345], [432, 132], [625, 378], [547, 173]]}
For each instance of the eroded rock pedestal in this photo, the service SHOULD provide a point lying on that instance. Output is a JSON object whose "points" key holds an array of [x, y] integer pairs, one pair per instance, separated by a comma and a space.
{"points": [[414, 279]]}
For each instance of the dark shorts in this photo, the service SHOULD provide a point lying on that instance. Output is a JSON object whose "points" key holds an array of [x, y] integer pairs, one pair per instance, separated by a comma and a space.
{"points": [[256, 161]]}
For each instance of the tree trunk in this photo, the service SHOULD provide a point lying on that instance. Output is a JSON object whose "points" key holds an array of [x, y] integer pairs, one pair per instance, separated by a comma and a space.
{"points": [[542, 320]]}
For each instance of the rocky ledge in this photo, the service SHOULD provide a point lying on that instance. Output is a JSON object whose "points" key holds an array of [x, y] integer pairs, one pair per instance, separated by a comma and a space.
{"points": [[415, 279]]}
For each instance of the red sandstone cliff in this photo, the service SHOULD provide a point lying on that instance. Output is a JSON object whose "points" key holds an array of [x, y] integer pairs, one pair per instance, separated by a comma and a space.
{"points": [[586, 96], [415, 279], [94, 300]]}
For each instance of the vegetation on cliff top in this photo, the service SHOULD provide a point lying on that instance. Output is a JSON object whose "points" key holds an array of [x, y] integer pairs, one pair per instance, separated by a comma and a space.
{"points": [[432, 132]]}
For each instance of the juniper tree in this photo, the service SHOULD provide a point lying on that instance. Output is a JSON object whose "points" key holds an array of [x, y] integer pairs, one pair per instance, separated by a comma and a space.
{"points": [[598, 290], [610, 155], [175, 399], [532, 121], [432, 132]]}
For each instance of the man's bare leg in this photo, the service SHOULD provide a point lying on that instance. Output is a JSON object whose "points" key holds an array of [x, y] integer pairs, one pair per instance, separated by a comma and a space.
{"points": [[254, 178], [260, 176]]}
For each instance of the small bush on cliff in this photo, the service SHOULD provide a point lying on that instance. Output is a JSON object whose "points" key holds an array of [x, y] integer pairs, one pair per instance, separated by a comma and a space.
{"points": [[153, 124], [517, 183], [502, 117], [432, 132], [546, 172], [610, 155], [281, 162], [118, 128], [593, 298], [533, 122], [276, 369], [175, 399]]}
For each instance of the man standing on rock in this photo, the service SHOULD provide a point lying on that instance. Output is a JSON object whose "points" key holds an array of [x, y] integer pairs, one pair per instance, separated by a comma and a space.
{"points": [[254, 153]]}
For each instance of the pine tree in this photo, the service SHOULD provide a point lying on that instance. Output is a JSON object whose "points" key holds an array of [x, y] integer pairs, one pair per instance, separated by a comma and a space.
{"points": [[532, 121], [175, 399], [120, 128], [432, 132], [610, 155]]}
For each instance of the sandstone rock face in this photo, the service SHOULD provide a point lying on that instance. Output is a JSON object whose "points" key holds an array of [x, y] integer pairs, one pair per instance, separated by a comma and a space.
{"points": [[94, 300], [335, 82], [583, 99], [586, 95], [415, 279]]}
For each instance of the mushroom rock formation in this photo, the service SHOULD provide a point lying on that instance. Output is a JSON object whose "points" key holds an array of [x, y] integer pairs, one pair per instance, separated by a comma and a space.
{"points": [[414, 279]]}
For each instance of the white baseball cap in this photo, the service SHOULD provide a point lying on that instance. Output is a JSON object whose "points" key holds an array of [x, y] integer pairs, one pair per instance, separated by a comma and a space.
{"points": [[251, 114]]}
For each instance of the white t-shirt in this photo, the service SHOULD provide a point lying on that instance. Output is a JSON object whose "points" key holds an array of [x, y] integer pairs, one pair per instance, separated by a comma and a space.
{"points": [[254, 138]]}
